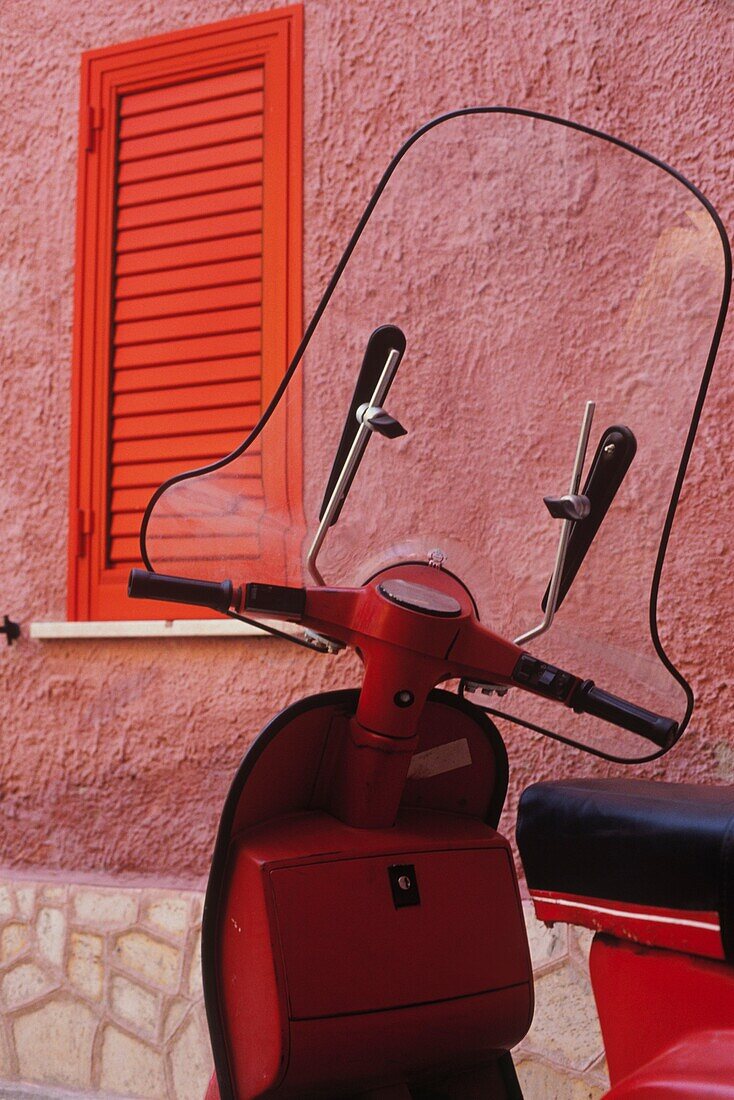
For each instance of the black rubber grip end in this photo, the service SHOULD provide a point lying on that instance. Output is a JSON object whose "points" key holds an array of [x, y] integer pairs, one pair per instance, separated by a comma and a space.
{"points": [[143, 585], [589, 699]]}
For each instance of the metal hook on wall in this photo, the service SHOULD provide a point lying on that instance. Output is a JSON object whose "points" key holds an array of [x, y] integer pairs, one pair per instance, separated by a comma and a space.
{"points": [[10, 629]]}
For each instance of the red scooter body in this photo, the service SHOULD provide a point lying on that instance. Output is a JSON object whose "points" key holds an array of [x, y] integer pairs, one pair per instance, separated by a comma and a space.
{"points": [[360, 834], [647, 866], [322, 974], [363, 933], [667, 1021]]}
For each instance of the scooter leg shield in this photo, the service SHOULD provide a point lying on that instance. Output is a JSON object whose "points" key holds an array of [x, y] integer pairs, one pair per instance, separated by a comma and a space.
{"points": [[322, 968]]}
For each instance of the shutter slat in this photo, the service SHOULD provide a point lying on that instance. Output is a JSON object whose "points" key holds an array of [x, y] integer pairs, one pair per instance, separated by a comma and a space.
{"points": [[176, 164], [149, 475], [186, 374], [191, 183], [191, 138], [183, 351], [123, 550], [134, 333], [196, 206], [134, 501], [158, 425], [188, 398], [192, 91], [189, 301], [189, 231], [196, 450], [173, 118], [186, 278], [128, 523], [246, 246]]}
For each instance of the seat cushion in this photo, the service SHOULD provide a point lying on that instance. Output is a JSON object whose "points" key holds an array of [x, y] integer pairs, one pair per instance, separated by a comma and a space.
{"points": [[653, 862]]}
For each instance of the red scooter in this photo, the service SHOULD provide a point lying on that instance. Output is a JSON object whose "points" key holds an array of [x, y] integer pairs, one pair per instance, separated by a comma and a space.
{"points": [[363, 932]]}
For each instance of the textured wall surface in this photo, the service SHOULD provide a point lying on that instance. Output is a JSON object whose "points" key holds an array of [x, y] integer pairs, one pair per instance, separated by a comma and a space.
{"points": [[116, 754]]}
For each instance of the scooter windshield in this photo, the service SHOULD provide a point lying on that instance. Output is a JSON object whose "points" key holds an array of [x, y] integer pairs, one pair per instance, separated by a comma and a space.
{"points": [[533, 266]]}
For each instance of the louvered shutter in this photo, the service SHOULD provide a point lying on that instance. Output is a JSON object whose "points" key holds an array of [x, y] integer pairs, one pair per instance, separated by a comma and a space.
{"points": [[186, 369], [196, 206]]}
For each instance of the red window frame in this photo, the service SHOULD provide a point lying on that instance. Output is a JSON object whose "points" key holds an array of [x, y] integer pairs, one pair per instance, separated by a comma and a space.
{"points": [[97, 590]]}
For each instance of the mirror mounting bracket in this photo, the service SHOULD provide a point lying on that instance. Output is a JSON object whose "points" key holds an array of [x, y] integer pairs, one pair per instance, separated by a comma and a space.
{"points": [[566, 505], [354, 456]]}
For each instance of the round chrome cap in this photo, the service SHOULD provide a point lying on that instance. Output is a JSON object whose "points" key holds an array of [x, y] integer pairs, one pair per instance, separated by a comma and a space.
{"points": [[419, 597]]}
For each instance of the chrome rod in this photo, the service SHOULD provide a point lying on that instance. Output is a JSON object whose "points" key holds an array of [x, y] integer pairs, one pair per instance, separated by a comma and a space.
{"points": [[566, 528], [350, 464]]}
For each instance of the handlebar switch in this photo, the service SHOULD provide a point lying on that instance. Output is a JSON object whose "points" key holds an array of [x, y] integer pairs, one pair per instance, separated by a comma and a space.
{"points": [[543, 678], [275, 599]]}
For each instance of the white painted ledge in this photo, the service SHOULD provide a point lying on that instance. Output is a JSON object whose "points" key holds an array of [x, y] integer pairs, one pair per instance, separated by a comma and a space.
{"points": [[147, 628]]}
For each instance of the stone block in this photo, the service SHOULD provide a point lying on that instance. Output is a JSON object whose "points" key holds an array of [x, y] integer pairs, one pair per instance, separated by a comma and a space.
{"points": [[191, 1062], [6, 903], [84, 967], [195, 982], [51, 935], [54, 1044], [14, 940], [131, 1068], [136, 1006], [6, 1062], [169, 914], [25, 983], [105, 908], [543, 1082], [565, 1028], [580, 941], [156, 962], [547, 945], [54, 894], [25, 899], [176, 1012]]}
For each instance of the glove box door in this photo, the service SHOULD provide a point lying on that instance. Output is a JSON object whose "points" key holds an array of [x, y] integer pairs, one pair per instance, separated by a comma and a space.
{"points": [[354, 939]]}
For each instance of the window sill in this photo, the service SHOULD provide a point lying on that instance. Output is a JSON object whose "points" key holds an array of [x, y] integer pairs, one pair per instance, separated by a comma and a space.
{"points": [[146, 628]]}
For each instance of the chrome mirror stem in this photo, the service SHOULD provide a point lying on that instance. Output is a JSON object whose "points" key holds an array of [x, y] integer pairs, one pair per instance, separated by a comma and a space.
{"points": [[350, 463], [566, 528]]}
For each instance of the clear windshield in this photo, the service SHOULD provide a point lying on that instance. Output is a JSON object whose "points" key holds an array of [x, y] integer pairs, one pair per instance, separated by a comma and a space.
{"points": [[532, 266]]}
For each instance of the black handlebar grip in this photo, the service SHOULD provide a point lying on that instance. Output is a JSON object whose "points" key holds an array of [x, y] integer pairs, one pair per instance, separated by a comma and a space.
{"points": [[589, 699], [143, 585]]}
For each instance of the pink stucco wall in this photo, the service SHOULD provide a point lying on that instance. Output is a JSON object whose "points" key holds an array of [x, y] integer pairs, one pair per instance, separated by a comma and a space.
{"points": [[116, 754]]}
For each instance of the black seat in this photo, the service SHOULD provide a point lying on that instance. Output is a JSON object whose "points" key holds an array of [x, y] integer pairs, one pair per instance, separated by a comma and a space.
{"points": [[666, 846]]}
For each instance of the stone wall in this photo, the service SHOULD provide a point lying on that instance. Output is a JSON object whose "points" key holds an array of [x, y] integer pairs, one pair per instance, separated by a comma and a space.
{"points": [[100, 994], [101, 990]]}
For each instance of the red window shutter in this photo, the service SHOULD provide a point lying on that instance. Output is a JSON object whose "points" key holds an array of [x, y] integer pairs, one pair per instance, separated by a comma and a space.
{"points": [[190, 168]]}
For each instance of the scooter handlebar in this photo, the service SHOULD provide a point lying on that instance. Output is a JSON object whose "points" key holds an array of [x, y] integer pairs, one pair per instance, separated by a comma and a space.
{"points": [[219, 596], [589, 699], [584, 697], [469, 656]]}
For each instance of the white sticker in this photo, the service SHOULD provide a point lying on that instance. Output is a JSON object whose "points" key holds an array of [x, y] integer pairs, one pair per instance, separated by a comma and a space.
{"points": [[444, 758]]}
